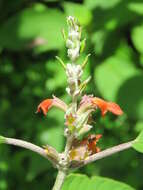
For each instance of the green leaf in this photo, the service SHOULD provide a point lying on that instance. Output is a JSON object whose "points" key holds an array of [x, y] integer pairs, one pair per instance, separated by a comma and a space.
{"points": [[58, 79], [139, 126], [130, 96], [105, 41], [79, 11], [110, 14], [111, 74], [137, 37], [2, 139], [121, 82], [80, 182], [37, 27], [137, 7], [138, 143], [101, 3]]}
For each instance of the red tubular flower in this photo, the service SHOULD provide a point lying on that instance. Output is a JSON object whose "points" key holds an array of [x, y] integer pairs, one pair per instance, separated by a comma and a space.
{"points": [[45, 105], [106, 106]]}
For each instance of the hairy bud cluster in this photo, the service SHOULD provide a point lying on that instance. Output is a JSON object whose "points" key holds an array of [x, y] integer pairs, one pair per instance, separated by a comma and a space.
{"points": [[74, 73], [73, 40]]}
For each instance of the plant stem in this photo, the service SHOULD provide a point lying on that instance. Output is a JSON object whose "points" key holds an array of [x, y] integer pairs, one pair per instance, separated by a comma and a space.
{"points": [[68, 145], [60, 180], [29, 146], [103, 154], [108, 152]]}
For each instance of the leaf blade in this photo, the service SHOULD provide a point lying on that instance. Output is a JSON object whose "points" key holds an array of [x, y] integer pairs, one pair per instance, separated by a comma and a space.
{"points": [[79, 181], [138, 143]]}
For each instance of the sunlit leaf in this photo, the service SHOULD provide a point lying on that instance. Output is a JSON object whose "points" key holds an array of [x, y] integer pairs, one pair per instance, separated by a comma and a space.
{"points": [[79, 11], [80, 182], [130, 96], [110, 14], [110, 74], [137, 7], [101, 3], [138, 143], [137, 37], [139, 126], [36, 27]]}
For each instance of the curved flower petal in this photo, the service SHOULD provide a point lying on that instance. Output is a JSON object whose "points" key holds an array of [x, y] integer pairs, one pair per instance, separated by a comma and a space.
{"points": [[114, 108], [107, 106], [44, 106], [59, 103], [103, 106]]}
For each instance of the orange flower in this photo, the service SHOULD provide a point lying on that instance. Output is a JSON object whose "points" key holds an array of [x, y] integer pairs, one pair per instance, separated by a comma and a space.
{"points": [[106, 106], [45, 105]]}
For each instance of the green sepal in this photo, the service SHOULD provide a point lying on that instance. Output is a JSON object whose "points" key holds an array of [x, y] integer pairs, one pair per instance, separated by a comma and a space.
{"points": [[84, 84], [82, 45], [64, 35], [85, 61], [61, 62]]}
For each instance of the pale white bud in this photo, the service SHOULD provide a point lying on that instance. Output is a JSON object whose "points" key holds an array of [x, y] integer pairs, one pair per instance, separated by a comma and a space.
{"points": [[70, 44], [73, 53], [73, 41], [74, 35], [68, 90]]}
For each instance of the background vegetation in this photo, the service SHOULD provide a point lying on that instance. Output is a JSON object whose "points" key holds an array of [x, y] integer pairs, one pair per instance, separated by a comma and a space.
{"points": [[30, 39]]}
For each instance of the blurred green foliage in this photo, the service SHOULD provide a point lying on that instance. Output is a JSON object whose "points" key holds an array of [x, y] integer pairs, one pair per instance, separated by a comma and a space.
{"points": [[30, 39]]}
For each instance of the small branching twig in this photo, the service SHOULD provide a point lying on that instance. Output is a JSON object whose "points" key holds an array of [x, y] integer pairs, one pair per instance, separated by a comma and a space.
{"points": [[29, 146], [103, 154]]}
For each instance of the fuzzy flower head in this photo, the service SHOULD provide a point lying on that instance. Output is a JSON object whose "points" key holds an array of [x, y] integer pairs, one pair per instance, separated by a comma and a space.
{"points": [[74, 73], [73, 40]]}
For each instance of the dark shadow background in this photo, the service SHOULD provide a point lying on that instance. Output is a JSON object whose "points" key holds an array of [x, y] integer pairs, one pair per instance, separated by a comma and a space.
{"points": [[30, 38]]}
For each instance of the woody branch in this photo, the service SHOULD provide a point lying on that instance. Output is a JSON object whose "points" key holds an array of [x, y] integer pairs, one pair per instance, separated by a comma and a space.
{"points": [[30, 146], [90, 159], [104, 153]]}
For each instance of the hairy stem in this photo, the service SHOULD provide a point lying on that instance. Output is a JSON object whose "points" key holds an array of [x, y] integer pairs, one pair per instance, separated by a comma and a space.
{"points": [[60, 180], [68, 145], [62, 173], [28, 145]]}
